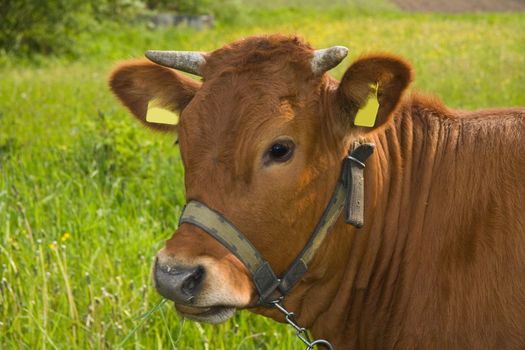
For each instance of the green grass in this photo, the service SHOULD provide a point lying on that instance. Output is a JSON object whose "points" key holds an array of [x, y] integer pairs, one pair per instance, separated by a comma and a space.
{"points": [[72, 161]]}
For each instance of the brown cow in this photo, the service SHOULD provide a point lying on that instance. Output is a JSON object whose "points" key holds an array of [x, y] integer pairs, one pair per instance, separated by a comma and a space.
{"points": [[440, 261]]}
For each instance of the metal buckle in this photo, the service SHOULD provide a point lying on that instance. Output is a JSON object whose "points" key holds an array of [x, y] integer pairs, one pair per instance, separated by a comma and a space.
{"points": [[300, 332]]}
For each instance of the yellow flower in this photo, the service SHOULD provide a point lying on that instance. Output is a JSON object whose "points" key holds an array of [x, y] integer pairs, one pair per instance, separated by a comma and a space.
{"points": [[65, 236], [53, 246]]}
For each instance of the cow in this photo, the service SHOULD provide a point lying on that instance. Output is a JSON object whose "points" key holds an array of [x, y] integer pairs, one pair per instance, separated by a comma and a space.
{"points": [[440, 260]]}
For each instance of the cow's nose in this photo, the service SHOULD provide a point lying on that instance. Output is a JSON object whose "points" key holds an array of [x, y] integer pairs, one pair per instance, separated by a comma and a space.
{"points": [[178, 283]]}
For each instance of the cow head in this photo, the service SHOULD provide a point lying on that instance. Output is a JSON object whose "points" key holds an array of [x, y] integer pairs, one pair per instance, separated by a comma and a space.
{"points": [[261, 137]]}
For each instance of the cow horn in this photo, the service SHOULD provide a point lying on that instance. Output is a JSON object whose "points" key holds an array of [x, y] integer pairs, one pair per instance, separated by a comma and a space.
{"points": [[186, 61], [326, 59]]}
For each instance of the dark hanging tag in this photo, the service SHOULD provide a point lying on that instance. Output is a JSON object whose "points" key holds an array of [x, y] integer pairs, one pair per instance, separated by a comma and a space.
{"points": [[355, 183]]}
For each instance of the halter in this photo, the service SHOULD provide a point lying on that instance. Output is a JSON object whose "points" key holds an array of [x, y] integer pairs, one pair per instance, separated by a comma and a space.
{"points": [[348, 196]]}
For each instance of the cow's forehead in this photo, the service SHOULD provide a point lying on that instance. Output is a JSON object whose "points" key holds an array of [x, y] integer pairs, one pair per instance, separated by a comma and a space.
{"points": [[250, 103], [252, 77]]}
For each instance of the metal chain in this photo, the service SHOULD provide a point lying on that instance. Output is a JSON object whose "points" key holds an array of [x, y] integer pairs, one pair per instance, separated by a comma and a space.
{"points": [[300, 332]]}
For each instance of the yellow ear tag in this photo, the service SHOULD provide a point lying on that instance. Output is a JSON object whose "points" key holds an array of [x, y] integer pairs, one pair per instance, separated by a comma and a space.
{"points": [[366, 116], [158, 114]]}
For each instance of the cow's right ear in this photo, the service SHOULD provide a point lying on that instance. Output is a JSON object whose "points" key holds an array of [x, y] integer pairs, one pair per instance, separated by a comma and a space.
{"points": [[138, 82]]}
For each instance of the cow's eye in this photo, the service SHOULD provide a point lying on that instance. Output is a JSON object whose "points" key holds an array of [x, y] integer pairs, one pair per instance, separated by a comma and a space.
{"points": [[280, 151]]}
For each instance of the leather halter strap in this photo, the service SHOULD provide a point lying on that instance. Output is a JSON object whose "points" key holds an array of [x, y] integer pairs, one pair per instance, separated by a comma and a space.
{"points": [[348, 196]]}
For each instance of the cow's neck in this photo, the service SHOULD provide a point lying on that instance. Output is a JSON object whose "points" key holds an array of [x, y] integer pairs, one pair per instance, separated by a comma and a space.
{"points": [[340, 302]]}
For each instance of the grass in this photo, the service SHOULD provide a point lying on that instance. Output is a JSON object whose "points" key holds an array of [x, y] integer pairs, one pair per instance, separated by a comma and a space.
{"points": [[87, 196]]}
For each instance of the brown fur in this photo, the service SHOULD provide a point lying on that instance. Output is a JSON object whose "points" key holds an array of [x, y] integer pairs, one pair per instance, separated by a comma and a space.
{"points": [[440, 262]]}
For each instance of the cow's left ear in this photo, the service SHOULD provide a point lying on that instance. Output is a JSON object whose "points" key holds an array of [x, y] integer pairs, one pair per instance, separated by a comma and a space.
{"points": [[383, 75]]}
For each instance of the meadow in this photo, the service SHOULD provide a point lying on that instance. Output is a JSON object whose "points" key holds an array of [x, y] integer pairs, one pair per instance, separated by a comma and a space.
{"points": [[87, 196]]}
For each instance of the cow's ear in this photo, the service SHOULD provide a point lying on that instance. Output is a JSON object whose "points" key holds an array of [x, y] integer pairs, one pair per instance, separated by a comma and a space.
{"points": [[371, 89], [140, 83]]}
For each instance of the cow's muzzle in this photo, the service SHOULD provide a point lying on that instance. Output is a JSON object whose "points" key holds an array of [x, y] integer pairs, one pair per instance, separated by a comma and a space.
{"points": [[199, 287]]}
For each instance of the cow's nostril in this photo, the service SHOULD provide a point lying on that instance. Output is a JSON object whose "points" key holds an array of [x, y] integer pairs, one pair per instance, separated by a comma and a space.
{"points": [[193, 282], [179, 283]]}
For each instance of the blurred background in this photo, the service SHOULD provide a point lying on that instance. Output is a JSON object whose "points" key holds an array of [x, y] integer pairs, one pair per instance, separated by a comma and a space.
{"points": [[87, 196]]}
